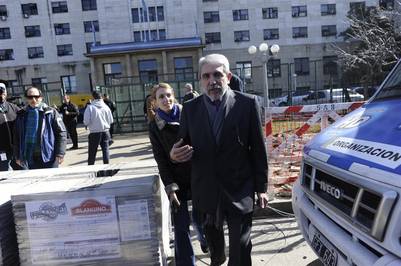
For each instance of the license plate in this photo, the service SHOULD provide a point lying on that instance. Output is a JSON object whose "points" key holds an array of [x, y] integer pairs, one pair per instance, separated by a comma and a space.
{"points": [[325, 251]]}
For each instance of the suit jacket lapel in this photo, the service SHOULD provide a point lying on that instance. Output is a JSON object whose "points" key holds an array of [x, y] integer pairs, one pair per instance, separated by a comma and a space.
{"points": [[230, 101]]}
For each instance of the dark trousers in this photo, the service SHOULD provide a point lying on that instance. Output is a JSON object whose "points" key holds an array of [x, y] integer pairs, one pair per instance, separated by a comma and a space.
{"points": [[183, 251], [96, 139], [240, 245], [72, 132], [5, 165], [37, 163], [111, 130]]}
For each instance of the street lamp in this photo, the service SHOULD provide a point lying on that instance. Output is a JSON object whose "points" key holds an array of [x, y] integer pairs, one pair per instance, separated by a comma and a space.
{"points": [[264, 50]]}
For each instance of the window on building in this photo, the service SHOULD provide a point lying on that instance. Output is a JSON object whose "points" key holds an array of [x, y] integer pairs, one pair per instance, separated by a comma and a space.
{"points": [[300, 32], [212, 37], [160, 13], [35, 52], [144, 14], [299, 11], [29, 9], [111, 70], [241, 36], [5, 33], [69, 83], [148, 70], [3, 11], [327, 9], [162, 34], [240, 14], [137, 36], [145, 35], [90, 25], [89, 46], [301, 66], [244, 70], [62, 28], [32, 31], [153, 35], [88, 5], [59, 7], [152, 13], [211, 16], [330, 65], [64, 49], [135, 15], [274, 68], [39, 82], [6, 54], [329, 30], [357, 8], [387, 4], [183, 68], [270, 34], [270, 12]]}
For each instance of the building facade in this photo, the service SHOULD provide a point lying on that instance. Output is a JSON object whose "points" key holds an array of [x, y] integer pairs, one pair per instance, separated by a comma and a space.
{"points": [[51, 41]]}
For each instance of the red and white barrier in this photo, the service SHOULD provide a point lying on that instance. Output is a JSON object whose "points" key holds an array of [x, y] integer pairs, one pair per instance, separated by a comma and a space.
{"points": [[285, 155]]}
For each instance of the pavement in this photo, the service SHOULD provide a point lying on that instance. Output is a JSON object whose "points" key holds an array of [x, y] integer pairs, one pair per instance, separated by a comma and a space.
{"points": [[276, 240]]}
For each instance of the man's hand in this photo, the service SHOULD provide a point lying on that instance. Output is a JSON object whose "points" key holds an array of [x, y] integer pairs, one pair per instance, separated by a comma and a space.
{"points": [[175, 203], [181, 153], [60, 159], [262, 200], [18, 162]]}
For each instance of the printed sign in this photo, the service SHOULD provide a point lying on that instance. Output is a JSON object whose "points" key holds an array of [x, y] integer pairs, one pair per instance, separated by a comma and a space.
{"points": [[73, 230], [134, 220], [380, 153]]}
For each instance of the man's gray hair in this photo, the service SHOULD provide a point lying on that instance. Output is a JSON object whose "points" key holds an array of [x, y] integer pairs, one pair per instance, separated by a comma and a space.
{"points": [[189, 85], [218, 59]]}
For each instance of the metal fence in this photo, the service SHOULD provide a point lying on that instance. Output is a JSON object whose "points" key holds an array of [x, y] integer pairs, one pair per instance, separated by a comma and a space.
{"points": [[289, 84], [52, 93]]}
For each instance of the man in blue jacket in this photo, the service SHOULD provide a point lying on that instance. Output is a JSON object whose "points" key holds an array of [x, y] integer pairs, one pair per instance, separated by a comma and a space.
{"points": [[40, 134]]}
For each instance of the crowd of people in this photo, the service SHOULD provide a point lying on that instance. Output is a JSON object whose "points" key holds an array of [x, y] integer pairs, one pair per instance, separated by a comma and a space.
{"points": [[35, 136], [209, 150]]}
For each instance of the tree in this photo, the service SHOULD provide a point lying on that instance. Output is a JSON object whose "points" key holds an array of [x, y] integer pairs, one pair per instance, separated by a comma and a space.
{"points": [[372, 44]]}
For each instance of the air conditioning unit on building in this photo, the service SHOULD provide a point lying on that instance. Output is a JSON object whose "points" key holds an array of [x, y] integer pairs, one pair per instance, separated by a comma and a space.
{"points": [[3, 18], [25, 15]]}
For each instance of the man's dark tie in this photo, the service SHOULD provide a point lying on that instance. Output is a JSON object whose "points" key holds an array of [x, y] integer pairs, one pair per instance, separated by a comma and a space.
{"points": [[216, 104]]}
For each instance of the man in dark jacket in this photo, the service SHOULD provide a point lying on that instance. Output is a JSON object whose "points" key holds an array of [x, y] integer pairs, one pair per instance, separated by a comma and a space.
{"points": [[70, 118], [221, 134], [189, 93], [8, 114], [40, 134], [112, 107]]}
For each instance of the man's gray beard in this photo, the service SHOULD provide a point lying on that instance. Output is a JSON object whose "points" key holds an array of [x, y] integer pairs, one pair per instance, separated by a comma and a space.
{"points": [[223, 90]]}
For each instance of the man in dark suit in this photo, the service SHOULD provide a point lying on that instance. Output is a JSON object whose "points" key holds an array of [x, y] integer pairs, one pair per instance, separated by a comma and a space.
{"points": [[221, 134]]}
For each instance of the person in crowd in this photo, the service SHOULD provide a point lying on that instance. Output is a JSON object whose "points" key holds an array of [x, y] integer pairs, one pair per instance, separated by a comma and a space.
{"points": [[163, 130], [98, 118], [8, 114], [149, 107], [189, 93], [40, 135], [70, 114], [112, 107], [221, 135], [236, 83]]}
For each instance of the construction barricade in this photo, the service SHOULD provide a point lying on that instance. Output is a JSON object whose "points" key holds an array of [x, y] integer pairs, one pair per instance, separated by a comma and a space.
{"points": [[288, 128]]}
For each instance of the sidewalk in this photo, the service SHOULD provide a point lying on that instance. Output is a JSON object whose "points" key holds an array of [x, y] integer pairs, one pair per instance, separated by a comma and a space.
{"points": [[276, 240]]}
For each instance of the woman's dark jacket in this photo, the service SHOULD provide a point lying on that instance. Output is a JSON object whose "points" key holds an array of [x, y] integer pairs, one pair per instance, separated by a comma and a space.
{"points": [[175, 176]]}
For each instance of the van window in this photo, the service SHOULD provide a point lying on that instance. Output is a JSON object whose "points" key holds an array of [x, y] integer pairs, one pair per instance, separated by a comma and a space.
{"points": [[392, 87]]}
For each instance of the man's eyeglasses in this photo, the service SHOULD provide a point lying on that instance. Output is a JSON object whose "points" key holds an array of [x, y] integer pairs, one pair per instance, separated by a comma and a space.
{"points": [[216, 75], [30, 97]]}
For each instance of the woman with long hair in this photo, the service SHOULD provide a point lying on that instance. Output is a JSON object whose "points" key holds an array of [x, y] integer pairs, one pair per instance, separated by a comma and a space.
{"points": [[163, 131]]}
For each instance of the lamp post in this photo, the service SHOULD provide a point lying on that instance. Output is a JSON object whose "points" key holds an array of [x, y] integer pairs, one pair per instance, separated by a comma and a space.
{"points": [[264, 50]]}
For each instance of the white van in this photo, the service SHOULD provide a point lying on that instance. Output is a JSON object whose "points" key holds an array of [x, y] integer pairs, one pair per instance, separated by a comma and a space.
{"points": [[347, 199]]}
